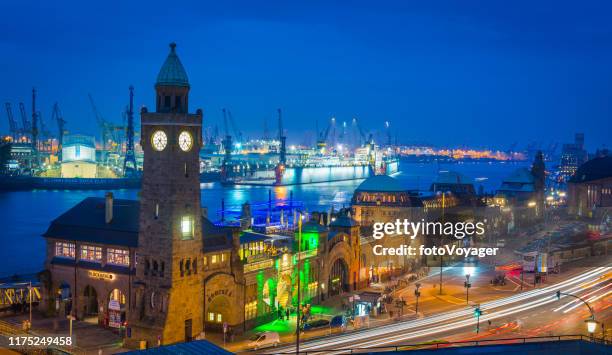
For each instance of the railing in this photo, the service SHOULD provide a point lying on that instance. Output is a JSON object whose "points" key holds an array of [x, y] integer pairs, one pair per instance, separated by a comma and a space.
{"points": [[258, 265], [444, 344], [306, 254], [17, 294]]}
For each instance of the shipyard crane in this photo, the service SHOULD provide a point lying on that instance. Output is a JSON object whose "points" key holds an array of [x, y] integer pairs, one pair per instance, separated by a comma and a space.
{"points": [[227, 142], [27, 125], [101, 123], [388, 130], [323, 137], [61, 127], [14, 129], [237, 132], [129, 163], [282, 139], [279, 171], [34, 127], [109, 131]]}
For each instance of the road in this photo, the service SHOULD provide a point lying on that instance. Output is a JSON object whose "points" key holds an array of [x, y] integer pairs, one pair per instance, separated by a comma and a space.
{"points": [[595, 285]]}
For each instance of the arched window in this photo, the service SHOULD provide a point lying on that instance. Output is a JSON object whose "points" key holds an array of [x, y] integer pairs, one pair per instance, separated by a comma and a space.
{"points": [[181, 267], [162, 269], [155, 267], [188, 266], [147, 267], [195, 266]]}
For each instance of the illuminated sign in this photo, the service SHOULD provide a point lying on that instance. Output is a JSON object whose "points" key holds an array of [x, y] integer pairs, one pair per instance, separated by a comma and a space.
{"points": [[100, 275]]}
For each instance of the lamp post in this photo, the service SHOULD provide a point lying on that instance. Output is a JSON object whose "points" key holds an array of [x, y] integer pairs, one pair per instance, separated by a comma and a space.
{"points": [[467, 286], [443, 218], [297, 337], [417, 293], [591, 323]]}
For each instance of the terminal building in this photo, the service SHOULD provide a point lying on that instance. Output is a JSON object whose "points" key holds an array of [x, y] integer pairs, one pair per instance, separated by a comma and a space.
{"points": [[165, 272]]}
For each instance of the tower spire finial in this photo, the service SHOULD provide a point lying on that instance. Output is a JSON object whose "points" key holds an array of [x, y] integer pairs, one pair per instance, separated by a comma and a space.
{"points": [[172, 47]]}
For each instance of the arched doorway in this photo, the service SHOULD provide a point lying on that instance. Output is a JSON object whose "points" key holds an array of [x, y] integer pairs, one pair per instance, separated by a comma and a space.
{"points": [[283, 291], [217, 312], [338, 277], [90, 304], [116, 315], [269, 295]]}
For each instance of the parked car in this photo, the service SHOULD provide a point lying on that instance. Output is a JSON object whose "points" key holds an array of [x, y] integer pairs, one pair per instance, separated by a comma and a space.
{"points": [[262, 340], [315, 324], [339, 322]]}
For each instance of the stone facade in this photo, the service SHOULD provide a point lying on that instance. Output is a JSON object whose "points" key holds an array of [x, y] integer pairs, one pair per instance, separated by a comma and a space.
{"points": [[168, 292]]}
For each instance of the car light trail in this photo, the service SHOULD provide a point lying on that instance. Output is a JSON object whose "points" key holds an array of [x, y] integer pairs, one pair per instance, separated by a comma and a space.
{"points": [[361, 339]]}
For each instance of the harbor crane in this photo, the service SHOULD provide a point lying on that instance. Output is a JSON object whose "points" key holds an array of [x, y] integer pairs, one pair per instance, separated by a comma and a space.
{"points": [[34, 127], [61, 127], [282, 161], [227, 146], [14, 129], [27, 125], [129, 163], [324, 135], [388, 131], [237, 132], [110, 132], [282, 139]]}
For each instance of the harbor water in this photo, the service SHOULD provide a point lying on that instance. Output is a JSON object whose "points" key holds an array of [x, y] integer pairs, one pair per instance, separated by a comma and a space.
{"points": [[25, 215]]}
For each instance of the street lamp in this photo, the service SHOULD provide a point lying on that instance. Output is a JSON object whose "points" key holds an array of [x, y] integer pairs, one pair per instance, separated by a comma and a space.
{"points": [[591, 326], [467, 286], [417, 293], [591, 323], [299, 308]]}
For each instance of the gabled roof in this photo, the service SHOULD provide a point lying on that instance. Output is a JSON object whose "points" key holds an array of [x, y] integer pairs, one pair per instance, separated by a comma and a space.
{"points": [[380, 183], [521, 175], [215, 237], [594, 169], [172, 73], [86, 222], [343, 221], [313, 226]]}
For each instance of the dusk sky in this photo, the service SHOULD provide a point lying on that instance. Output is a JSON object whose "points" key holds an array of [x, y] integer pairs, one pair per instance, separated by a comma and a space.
{"points": [[444, 72]]}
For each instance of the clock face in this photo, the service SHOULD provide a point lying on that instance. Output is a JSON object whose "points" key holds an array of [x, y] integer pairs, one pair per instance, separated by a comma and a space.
{"points": [[159, 140], [185, 141]]}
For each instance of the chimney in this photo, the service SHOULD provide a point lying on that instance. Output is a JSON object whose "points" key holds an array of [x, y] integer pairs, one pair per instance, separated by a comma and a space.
{"points": [[108, 217]]}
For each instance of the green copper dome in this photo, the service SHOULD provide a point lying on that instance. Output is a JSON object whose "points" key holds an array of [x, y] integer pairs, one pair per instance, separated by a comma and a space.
{"points": [[172, 73]]}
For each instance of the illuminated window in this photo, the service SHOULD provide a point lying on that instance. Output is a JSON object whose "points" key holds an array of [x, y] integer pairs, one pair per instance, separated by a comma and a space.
{"points": [[187, 227], [211, 317], [250, 310], [118, 256], [214, 259], [91, 253], [222, 257], [65, 250], [219, 318]]}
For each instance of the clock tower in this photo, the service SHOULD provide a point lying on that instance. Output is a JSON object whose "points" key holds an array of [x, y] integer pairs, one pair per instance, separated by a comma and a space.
{"points": [[168, 296]]}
